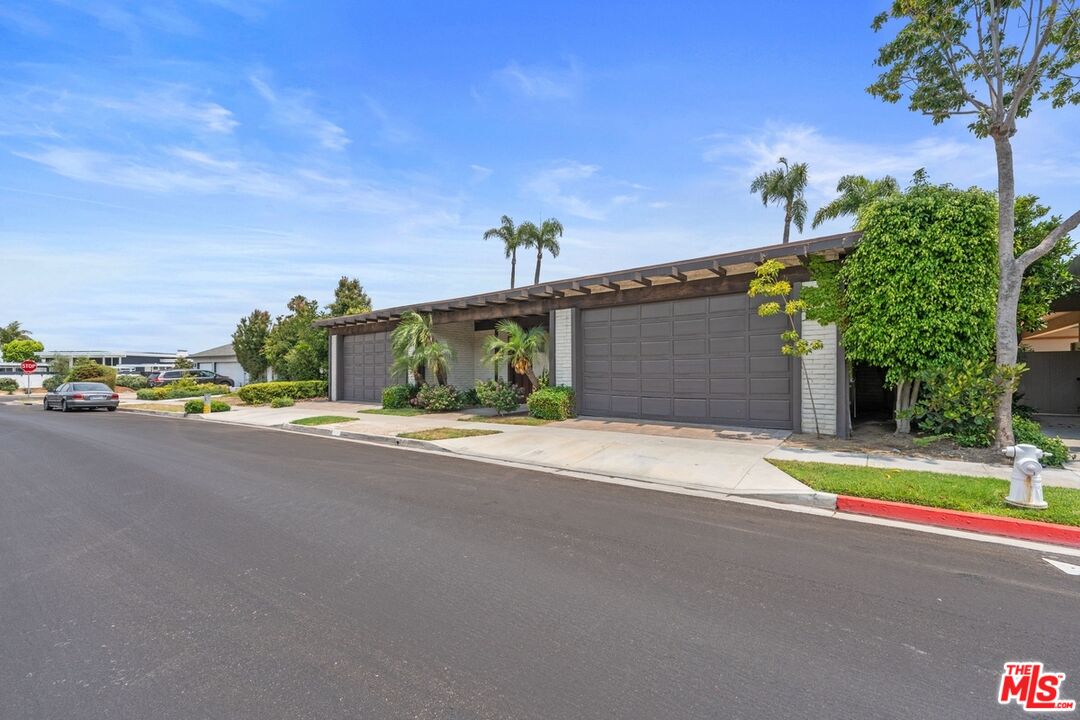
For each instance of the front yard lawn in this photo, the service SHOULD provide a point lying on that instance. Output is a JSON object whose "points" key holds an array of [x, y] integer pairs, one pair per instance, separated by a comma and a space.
{"points": [[322, 420], [446, 433], [401, 412], [506, 419], [952, 492]]}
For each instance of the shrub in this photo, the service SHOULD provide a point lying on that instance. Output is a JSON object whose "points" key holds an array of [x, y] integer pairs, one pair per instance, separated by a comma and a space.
{"points": [[8, 385], [398, 396], [52, 382], [135, 382], [439, 398], [497, 394], [180, 390], [92, 372], [960, 401], [194, 407], [552, 403], [262, 393], [1028, 432], [281, 402], [469, 398]]}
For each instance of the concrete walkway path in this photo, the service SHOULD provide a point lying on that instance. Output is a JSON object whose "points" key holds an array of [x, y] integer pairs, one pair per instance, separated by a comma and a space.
{"points": [[1067, 477]]}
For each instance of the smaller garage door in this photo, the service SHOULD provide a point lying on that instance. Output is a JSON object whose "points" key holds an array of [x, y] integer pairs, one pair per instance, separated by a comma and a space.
{"points": [[366, 366]]}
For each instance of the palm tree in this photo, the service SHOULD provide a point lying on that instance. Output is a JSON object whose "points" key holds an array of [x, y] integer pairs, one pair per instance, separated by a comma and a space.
{"points": [[416, 349], [856, 192], [512, 240], [784, 186], [518, 349], [545, 237], [13, 331]]}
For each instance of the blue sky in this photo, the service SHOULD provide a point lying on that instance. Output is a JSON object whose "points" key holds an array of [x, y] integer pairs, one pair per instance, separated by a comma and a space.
{"points": [[165, 167]]}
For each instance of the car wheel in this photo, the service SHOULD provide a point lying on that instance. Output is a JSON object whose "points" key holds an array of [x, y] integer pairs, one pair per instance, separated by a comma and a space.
{"points": [[45, 405], [63, 406], [112, 409]]}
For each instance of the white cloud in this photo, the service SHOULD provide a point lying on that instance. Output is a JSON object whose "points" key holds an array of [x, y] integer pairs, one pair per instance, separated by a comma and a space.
{"points": [[293, 109], [542, 83], [480, 173], [581, 190]]}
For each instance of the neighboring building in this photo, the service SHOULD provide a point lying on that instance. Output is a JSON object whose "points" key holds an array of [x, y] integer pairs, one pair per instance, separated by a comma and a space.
{"points": [[222, 360], [123, 361], [674, 341], [1052, 382]]}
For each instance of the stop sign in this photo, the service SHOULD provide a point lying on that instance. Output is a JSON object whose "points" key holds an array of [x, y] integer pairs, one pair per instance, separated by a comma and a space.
{"points": [[29, 366]]}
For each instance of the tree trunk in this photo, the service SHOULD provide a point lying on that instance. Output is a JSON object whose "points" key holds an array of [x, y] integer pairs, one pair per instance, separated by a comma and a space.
{"points": [[539, 256], [513, 267], [907, 394], [532, 377], [787, 228], [1010, 276]]}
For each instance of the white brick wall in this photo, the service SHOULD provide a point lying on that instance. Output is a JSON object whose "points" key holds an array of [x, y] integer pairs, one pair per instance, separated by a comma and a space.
{"points": [[564, 346], [820, 366], [461, 336]]}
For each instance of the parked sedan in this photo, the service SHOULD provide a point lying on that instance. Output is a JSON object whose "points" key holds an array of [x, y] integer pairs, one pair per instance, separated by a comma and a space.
{"points": [[199, 376], [80, 395]]}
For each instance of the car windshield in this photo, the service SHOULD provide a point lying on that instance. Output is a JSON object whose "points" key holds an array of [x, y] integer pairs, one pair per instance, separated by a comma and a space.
{"points": [[91, 387]]}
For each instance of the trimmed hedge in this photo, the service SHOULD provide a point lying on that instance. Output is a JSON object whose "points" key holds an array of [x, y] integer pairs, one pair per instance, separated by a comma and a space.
{"points": [[195, 407], [92, 372], [262, 393], [8, 385], [439, 398], [134, 382], [282, 402], [180, 390], [395, 397], [552, 403], [497, 394]]}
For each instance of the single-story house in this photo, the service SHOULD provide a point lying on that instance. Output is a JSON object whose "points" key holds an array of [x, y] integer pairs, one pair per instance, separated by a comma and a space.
{"points": [[676, 341], [222, 360]]}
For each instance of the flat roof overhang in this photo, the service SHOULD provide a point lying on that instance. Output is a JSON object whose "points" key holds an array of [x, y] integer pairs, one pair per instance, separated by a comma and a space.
{"points": [[523, 300]]}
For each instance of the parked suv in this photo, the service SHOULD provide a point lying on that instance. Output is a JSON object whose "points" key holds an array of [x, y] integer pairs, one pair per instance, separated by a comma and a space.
{"points": [[157, 379]]}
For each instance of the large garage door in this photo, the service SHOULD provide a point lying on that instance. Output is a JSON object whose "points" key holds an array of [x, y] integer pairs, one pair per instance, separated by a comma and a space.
{"points": [[710, 360], [367, 361]]}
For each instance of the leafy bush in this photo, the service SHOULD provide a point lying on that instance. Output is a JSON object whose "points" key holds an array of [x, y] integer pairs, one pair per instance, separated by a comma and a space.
{"points": [[282, 402], [960, 401], [552, 403], [92, 372], [52, 382], [1028, 432], [497, 394], [544, 380], [180, 390], [135, 382], [262, 393], [8, 385], [193, 407], [469, 397], [395, 397], [439, 398]]}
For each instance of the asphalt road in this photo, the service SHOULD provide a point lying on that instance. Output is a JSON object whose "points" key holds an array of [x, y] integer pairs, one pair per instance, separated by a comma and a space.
{"points": [[159, 568]]}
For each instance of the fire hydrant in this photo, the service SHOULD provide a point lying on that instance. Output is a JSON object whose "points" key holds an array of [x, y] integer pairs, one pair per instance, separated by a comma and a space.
{"points": [[1025, 485]]}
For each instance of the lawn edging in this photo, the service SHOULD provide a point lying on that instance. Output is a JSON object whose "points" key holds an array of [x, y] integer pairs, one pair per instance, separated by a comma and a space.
{"points": [[959, 520], [365, 437]]}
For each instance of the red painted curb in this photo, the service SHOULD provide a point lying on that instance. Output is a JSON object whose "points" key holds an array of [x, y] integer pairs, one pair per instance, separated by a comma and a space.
{"points": [[958, 520]]}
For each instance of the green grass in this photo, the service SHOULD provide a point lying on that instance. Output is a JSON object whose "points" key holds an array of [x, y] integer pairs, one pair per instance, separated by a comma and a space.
{"points": [[446, 433], [506, 419], [322, 420], [953, 492], [401, 412]]}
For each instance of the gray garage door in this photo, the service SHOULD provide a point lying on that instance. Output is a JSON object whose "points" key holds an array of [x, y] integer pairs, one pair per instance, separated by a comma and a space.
{"points": [[366, 366], [711, 360], [1052, 382]]}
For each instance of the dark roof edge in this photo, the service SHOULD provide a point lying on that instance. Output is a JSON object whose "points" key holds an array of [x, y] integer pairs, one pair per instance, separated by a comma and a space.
{"points": [[800, 248]]}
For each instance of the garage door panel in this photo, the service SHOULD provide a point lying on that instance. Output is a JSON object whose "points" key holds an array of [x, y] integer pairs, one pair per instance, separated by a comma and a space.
{"points": [[366, 367], [700, 359], [778, 322]]}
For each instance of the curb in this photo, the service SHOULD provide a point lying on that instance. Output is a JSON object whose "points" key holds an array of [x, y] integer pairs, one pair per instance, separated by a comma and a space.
{"points": [[821, 500], [959, 520], [366, 437], [159, 413]]}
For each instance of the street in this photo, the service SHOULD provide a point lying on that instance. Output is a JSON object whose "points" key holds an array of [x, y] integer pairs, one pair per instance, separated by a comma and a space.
{"points": [[158, 568]]}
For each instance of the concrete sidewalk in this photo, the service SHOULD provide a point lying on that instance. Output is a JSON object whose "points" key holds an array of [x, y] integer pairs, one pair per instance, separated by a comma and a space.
{"points": [[1066, 477], [701, 458]]}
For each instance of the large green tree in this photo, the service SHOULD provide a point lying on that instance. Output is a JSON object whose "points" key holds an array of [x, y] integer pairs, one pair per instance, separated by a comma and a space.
{"points": [[295, 348], [19, 350], [785, 186], [349, 298], [13, 331], [993, 62], [511, 239], [544, 237], [1049, 277], [854, 193], [919, 289], [249, 344]]}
